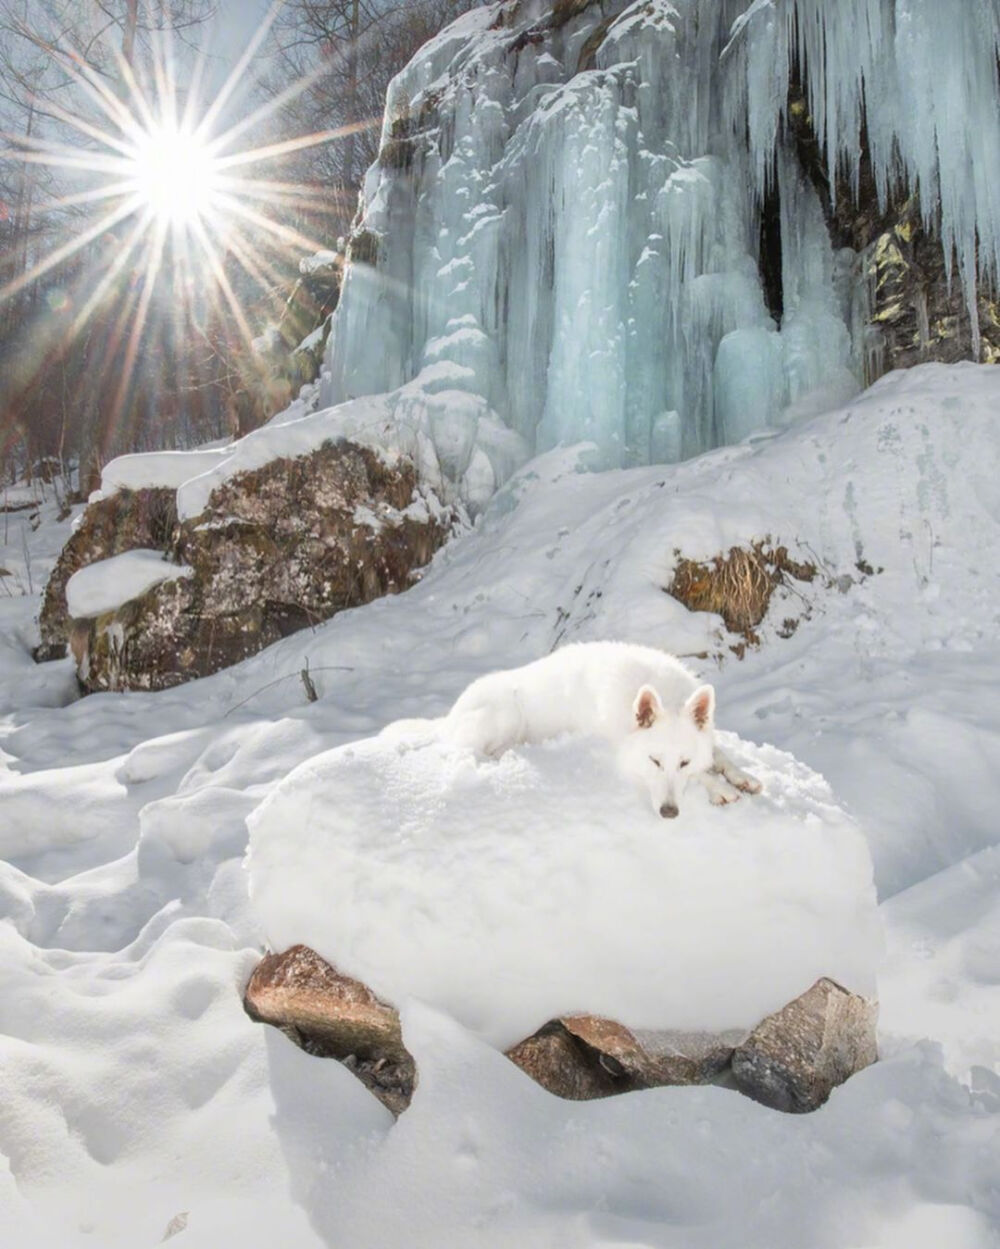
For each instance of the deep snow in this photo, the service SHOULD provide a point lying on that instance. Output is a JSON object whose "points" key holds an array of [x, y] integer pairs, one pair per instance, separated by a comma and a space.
{"points": [[135, 1090]]}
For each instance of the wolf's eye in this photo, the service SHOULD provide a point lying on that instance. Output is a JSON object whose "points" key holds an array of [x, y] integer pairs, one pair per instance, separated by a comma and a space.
{"points": [[683, 763], [657, 762]]}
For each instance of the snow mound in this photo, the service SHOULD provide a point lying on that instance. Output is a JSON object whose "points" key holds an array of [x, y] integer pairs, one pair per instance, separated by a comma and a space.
{"points": [[104, 586], [508, 892]]}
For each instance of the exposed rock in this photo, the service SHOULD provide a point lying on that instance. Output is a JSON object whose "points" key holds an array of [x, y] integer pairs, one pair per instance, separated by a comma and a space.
{"points": [[557, 1060], [582, 1056], [791, 1061], [656, 1058], [130, 520], [795, 1058], [277, 549], [918, 308], [333, 1016]]}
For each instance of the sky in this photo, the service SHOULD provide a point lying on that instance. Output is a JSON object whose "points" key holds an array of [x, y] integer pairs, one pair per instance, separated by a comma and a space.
{"points": [[234, 24]]}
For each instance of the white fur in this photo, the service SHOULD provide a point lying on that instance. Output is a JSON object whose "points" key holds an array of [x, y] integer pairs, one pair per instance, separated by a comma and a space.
{"points": [[642, 699]]}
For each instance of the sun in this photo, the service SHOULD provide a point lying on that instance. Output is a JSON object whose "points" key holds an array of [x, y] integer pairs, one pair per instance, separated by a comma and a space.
{"points": [[164, 192], [174, 174]]}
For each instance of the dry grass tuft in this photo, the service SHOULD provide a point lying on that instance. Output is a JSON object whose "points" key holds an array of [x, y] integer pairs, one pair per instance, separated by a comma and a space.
{"points": [[738, 586]]}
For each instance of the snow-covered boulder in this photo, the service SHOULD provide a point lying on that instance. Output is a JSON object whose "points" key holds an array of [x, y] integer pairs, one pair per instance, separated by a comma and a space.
{"points": [[541, 885], [271, 550]]}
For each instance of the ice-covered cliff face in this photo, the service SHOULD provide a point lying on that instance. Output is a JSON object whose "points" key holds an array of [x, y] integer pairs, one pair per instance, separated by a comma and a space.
{"points": [[594, 218]]}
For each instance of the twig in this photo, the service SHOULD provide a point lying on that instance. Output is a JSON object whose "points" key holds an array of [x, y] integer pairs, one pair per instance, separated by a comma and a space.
{"points": [[307, 681], [287, 677], [27, 556]]}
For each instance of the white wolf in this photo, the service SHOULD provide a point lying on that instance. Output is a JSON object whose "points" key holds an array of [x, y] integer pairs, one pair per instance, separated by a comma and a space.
{"points": [[642, 699]]}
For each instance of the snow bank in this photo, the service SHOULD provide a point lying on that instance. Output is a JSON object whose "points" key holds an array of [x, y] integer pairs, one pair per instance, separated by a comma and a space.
{"points": [[511, 891], [103, 586], [134, 1088]]}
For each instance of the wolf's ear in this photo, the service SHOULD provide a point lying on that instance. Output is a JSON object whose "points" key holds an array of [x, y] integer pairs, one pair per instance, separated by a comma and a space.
{"points": [[701, 706], [647, 707]]}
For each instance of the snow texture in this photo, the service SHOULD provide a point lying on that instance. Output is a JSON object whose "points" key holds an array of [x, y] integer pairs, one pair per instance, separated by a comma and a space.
{"points": [[169, 469], [104, 586], [133, 1088]]}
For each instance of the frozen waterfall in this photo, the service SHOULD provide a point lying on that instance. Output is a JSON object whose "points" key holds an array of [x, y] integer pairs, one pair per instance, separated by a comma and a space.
{"points": [[567, 219]]}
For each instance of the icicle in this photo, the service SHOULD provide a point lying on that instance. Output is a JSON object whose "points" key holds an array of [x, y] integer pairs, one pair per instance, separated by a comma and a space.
{"points": [[568, 230]]}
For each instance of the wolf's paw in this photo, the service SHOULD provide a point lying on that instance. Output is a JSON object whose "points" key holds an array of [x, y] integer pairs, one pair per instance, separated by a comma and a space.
{"points": [[720, 792], [722, 765], [723, 797]]}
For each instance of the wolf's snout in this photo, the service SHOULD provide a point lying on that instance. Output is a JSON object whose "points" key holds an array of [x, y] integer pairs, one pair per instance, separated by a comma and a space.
{"points": [[668, 810]]}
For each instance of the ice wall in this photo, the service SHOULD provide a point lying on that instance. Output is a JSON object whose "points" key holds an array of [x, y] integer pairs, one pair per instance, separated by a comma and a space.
{"points": [[565, 218]]}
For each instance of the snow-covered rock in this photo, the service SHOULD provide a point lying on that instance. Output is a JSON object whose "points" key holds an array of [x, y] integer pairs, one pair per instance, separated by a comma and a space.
{"points": [[272, 551], [126, 520], [539, 885]]}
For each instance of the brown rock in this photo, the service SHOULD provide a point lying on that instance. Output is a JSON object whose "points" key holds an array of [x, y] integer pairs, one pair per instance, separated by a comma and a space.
{"points": [[654, 1058], [333, 1016], [584, 1056], [557, 1060], [795, 1058]]}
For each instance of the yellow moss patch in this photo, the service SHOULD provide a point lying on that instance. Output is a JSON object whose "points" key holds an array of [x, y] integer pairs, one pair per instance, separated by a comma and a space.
{"points": [[737, 586]]}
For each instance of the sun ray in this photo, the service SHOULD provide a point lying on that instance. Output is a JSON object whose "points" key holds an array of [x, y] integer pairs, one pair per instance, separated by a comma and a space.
{"points": [[235, 76], [82, 126], [68, 249], [255, 264], [155, 260], [110, 190], [223, 282], [195, 225], [274, 105], [287, 146], [287, 234], [110, 277]]}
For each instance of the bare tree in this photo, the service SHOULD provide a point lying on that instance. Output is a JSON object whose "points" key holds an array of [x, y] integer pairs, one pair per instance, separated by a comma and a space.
{"points": [[345, 52]]}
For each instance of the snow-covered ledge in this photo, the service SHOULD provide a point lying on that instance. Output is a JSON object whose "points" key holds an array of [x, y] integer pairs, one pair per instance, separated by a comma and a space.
{"points": [[105, 586]]}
